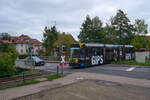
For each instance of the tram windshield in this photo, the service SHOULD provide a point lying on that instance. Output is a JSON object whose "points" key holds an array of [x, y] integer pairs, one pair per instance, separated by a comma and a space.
{"points": [[75, 52]]}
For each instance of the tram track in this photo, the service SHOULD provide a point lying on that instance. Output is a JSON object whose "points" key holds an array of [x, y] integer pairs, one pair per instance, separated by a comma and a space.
{"points": [[19, 79]]}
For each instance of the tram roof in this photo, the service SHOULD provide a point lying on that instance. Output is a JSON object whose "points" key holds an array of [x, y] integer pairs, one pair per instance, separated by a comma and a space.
{"points": [[109, 45], [102, 45], [128, 46], [93, 45]]}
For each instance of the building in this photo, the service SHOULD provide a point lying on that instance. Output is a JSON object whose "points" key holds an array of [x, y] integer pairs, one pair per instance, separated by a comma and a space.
{"points": [[23, 42], [4, 41]]}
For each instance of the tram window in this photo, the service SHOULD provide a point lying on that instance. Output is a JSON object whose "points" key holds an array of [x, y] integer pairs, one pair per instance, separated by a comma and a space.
{"points": [[99, 51], [86, 51], [94, 51], [75, 52], [82, 53], [89, 51], [128, 50]]}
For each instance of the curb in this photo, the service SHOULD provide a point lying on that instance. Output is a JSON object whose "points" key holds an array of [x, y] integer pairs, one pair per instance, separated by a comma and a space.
{"points": [[125, 65]]}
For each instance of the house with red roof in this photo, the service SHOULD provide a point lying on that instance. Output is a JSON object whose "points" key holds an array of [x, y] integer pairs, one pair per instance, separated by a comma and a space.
{"points": [[4, 41], [23, 42]]}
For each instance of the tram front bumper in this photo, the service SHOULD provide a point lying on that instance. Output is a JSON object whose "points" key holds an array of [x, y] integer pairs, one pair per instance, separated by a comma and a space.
{"points": [[74, 62], [76, 65]]}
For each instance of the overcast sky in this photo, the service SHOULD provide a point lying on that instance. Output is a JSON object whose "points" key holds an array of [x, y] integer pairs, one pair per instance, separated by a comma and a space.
{"points": [[30, 16]]}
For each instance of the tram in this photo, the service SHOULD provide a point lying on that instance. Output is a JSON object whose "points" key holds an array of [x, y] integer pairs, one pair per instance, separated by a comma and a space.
{"points": [[90, 54]]}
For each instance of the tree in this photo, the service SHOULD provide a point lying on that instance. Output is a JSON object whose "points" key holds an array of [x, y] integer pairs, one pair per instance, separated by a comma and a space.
{"points": [[8, 56], [91, 30], [124, 30], [50, 37], [140, 27], [148, 42], [85, 32], [110, 34], [140, 40], [65, 39], [4, 36], [98, 35]]}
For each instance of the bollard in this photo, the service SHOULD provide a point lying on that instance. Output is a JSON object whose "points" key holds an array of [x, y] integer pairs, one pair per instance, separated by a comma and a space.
{"points": [[57, 70], [24, 76], [62, 69]]}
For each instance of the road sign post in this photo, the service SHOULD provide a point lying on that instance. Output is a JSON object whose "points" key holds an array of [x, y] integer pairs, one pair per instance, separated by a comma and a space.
{"points": [[61, 50], [62, 63]]}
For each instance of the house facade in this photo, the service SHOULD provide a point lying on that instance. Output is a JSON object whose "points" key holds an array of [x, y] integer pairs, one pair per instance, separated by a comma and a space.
{"points": [[24, 42]]}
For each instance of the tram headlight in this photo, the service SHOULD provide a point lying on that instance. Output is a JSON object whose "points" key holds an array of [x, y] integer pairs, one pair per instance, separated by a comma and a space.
{"points": [[70, 60], [76, 60]]}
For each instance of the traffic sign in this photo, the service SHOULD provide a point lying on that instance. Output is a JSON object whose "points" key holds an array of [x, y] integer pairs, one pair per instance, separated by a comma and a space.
{"points": [[63, 62], [62, 54]]}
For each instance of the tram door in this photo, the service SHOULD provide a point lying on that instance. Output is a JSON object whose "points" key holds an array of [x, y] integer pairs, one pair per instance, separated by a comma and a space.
{"points": [[109, 54]]}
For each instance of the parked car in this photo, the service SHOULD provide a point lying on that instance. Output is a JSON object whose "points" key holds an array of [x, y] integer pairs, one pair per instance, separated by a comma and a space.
{"points": [[36, 61]]}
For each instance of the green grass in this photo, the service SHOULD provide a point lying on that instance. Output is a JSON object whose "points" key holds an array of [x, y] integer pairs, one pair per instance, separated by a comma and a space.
{"points": [[33, 81], [55, 76], [132, 63]]}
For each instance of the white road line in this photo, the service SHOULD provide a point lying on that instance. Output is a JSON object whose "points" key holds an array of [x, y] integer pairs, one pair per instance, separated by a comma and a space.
{"points": [[130, 69]]}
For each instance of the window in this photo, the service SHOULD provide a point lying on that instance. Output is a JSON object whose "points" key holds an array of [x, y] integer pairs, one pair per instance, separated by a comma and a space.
{"points": [[21, 45], [26, 50], [21, 51], [26, 40], [12, 41]]}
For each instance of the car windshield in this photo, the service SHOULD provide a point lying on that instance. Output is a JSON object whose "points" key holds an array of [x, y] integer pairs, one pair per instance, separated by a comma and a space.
{"points": [[36, 58]]}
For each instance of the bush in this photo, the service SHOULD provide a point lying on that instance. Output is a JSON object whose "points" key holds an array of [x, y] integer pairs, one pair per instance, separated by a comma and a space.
{"points": [[7, 63], [8, 56], [23, 56]]}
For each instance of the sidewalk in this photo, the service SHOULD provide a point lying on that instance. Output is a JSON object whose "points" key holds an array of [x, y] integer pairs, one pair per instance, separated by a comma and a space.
{"points": [[30, 89], [126, 65]]}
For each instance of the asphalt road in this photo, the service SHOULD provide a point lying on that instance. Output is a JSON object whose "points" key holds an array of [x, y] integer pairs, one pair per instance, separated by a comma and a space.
{"points": [[118, 70]]}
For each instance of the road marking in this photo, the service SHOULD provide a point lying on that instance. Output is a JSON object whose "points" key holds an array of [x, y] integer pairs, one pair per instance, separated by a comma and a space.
{"points": [[130, 69], [79, 78]]}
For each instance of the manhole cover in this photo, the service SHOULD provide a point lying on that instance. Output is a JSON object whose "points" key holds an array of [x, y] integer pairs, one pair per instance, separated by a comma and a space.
{"points": [[107, 83]]}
